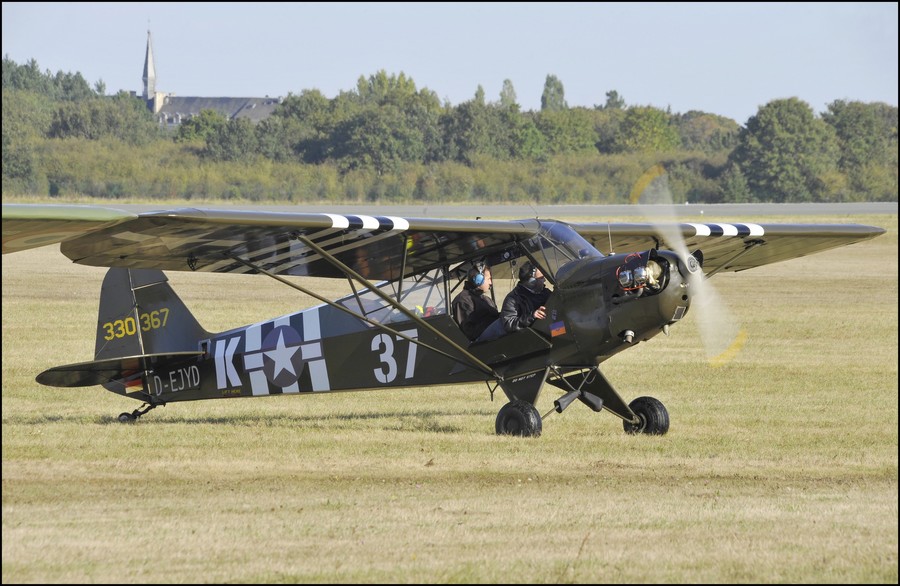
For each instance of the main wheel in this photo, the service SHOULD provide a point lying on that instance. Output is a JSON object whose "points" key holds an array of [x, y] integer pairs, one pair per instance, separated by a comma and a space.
{"points": [[519, 418], [127, 418], [654, 419]]}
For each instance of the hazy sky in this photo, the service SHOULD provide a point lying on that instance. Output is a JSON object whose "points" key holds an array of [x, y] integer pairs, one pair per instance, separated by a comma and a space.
{"points": [[727, 59]]}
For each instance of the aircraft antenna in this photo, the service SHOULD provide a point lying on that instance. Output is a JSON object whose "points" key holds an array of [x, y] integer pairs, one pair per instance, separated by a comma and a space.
{"points": [[609, 233]]}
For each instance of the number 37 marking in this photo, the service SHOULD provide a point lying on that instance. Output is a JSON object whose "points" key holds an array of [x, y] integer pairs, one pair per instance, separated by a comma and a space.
{"points": [[384, 344]]}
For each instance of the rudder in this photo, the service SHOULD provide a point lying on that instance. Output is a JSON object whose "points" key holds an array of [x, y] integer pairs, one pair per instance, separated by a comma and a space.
{"points": [[141, 314]]}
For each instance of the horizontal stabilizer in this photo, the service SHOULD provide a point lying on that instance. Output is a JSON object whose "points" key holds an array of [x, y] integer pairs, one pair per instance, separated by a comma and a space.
{"points": [[100, 372]]}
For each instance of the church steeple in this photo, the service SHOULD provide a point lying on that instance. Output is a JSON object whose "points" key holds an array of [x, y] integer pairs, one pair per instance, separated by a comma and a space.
{"points": [[149, 72]]}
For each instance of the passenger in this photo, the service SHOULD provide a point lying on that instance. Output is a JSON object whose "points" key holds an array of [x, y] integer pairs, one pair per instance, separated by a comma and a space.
{"points": [[523, 305], [474, 308]]}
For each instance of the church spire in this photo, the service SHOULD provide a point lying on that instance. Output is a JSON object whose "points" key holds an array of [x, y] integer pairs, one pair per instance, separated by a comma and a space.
{"points": [[149, 72]]}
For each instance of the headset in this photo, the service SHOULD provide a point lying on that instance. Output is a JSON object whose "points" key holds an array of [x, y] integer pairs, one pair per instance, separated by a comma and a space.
{"points": [[527, 271], [477, 279]]}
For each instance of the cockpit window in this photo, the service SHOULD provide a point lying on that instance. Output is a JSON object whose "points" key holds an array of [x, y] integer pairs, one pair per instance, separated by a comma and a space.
{"points": [[421, 294], [558, 244]]}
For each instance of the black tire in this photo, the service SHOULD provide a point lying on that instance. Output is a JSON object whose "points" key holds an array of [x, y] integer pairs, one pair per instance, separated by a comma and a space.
{"points": [[654, 419], [519, 418], [127, 418]]}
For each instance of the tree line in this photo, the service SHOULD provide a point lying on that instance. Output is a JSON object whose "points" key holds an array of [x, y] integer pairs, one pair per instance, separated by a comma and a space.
{"points": [[387, 140]]}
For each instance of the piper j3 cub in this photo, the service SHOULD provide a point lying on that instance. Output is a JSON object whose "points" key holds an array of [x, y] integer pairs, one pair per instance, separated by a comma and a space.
{"points": [[395, 328]]}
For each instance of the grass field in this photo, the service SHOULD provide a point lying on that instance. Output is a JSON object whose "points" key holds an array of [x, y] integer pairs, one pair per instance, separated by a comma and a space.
{"points": [[779, 467]]}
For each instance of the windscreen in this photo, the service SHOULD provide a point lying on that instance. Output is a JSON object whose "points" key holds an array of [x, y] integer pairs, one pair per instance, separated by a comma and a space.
{"points": [[558, 244]]}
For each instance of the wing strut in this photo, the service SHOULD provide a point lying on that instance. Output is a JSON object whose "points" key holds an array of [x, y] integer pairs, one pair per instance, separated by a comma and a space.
{"points": [[467, 357]]}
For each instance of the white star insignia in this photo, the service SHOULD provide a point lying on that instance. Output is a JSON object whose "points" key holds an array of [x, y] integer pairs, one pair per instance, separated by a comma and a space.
{"points": [[282, 356]]}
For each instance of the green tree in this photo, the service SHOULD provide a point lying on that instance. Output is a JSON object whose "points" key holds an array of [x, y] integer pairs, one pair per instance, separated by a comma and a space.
{"points": [[27, 77], [400, 119], [26, 119], [201, 127], [864, 131], [234, 141], [528, 141], [508, 96], [475, 129], [479, 95], [607, 122], [554, 97], [277, 138], [26, 114], [121, 117], [706, 132], [568, 131], [309, 104], [382, 89], [423, 114], [786, 153], [867, 137], [61, 86], [645, 129], [734, 188], [309, 120], [381, 138], [613, 101]]}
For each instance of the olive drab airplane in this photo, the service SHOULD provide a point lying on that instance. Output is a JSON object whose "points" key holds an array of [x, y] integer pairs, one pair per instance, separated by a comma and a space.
{"points": [[614, 286]]}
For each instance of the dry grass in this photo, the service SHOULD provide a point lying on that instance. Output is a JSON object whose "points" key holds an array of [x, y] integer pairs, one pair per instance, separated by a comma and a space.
{"points": [[779, 467]]}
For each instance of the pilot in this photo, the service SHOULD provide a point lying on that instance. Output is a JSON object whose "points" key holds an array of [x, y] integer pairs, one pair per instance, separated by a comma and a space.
{"points": [[474, 308], [523, 306]]}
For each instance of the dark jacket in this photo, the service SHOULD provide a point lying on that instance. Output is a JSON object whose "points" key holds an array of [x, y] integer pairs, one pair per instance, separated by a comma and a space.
{"points": [[474, 311], [519, 306]]}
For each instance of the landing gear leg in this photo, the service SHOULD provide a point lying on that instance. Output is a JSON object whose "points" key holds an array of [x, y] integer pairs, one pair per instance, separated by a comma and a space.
{"points": [[134, 415]]}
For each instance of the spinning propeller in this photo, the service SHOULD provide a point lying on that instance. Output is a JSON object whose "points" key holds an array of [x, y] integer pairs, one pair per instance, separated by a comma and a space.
{"points": [[720, 332]]}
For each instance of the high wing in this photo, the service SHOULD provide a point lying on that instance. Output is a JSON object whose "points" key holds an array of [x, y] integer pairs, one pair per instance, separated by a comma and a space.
{"points": [[378, 248], [31, 226], [732, 246]]}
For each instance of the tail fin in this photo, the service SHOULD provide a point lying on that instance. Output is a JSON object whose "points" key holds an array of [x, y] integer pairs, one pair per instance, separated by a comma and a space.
{"points": [[140, 314]]}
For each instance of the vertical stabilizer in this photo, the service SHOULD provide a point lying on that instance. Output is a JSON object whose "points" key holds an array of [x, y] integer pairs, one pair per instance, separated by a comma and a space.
{"points": [[141, 314]]}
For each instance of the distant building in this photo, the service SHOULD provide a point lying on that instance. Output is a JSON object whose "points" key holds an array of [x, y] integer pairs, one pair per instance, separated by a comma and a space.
{"points": [[171, 110]]}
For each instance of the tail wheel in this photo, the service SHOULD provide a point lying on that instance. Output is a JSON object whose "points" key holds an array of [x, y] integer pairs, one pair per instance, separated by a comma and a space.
{"points": [[127, 418], [134, 415], [519, 418], [652, 415]]}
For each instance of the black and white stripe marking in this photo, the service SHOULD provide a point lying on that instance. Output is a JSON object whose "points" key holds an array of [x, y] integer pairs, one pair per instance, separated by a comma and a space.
{"points": [[727, 229]]}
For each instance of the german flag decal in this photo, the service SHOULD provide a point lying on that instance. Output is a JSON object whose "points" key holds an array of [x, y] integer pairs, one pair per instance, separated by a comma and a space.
{"points": [[557, 329]]}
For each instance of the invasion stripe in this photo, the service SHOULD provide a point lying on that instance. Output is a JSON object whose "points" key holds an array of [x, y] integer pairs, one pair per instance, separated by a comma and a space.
{"points": [[253, 343], [338, 221], [397, 224], [727, 229], [270, 254], [369, 222], [753, 229], [700, 229], [365, 222], [353, 240], [318, 369]]}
